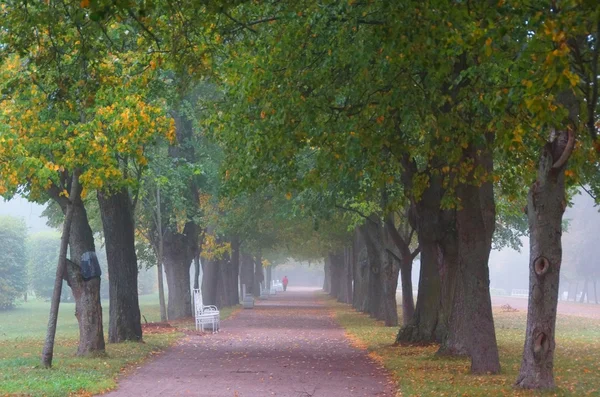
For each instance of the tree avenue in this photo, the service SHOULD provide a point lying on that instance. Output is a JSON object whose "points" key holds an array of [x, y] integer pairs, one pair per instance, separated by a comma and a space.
{"points": [[365, 135]]}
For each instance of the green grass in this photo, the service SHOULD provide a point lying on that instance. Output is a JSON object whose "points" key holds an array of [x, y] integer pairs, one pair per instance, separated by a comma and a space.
{"points": [[22, 332], [419, 372]]}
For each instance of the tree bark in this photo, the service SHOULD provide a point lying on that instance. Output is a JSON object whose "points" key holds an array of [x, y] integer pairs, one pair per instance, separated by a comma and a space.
{"points": [[180, 249], [88, 308], [405, 258], [234, 298], [336, 264], [210, 278], [161, 292], [360, 273], [119, 236], [345, 287], [545, 207], [247, 272], [378, 240], [259, 276], [223, 284], [437, 241], [197, 270], [595, 293], [471, 328], [327, 278], [408, 302], [269, 277], [159, 258]]}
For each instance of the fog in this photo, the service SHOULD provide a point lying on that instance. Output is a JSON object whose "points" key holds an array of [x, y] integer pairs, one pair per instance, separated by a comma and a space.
{"points": [[31, 212], [508, 268]]}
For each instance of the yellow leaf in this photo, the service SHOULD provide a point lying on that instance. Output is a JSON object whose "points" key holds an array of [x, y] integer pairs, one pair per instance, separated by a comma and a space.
{"points": [[85, 3]]}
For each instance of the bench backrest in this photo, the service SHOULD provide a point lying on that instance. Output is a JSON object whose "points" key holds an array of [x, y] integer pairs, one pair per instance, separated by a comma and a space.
{"points": [[198, 305]]}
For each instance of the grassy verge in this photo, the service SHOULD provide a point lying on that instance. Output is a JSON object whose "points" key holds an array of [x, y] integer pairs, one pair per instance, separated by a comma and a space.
{"points": [[22, 333], [419, 372]]}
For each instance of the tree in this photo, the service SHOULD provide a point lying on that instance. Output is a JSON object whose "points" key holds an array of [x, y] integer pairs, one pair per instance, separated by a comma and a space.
{"points": [[42, 255], [13, 271], [80, 85]]}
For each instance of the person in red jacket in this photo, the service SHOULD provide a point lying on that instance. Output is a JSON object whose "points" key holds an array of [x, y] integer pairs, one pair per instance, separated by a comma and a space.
{"points": [[284, 282]]}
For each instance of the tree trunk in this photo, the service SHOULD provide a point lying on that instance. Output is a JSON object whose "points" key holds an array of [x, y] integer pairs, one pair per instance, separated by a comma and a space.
{"points": [[159, 259], [222, 282], [269, 276], [247, 272], [119, 236], [595, 293], [86, 316], [584, 291], [234, 298], [259, 276], [88, 308], [210, 278], [471, 328], [345, 287], [405, 257], [378, 289], [180, 249], [437, 242], [360, 273], [545, 207], [408, 303], [161, 292], [336, 264], [327, 278], [197, 270]]}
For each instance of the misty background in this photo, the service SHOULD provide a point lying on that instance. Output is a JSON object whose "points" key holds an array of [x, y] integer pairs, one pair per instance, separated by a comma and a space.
{"points": [[508, 268]]}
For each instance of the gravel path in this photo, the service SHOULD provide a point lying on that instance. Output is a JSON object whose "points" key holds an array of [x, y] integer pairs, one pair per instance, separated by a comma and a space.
{"points": [[287, 345]]}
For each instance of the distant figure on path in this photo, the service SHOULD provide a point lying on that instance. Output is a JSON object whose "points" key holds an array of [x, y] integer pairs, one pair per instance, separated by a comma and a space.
{"points": [[284, 282]]}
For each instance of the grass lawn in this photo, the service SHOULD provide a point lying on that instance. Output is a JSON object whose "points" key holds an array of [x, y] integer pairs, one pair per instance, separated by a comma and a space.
{"points": [[419, 372], [22, 333]]}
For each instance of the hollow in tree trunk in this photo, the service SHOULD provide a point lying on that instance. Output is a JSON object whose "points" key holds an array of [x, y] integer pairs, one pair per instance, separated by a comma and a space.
{"points": [[119, 236], [546, 204]]}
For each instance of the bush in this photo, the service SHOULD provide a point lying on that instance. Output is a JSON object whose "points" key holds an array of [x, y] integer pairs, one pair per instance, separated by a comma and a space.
{"points": [[13, 257]]}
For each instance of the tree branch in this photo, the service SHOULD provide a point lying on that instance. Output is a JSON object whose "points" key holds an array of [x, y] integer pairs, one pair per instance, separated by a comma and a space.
{"points": [[567, 152], [356, 212]]}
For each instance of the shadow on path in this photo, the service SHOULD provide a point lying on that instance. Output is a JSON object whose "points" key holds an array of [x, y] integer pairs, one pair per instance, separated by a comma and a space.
{"points": [[287, 345]]}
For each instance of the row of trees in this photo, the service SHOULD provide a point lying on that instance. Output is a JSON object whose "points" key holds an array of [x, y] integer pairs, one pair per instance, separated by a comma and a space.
{"points": [[366, 132]]}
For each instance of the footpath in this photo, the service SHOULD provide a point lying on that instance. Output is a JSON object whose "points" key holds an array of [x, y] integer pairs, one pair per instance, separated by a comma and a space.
{"points": [[288, 345]]}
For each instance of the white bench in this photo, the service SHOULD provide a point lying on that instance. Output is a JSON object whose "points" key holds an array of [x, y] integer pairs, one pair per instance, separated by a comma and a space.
{"points": [[520, 293], [278, 285], [205, 315]]}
